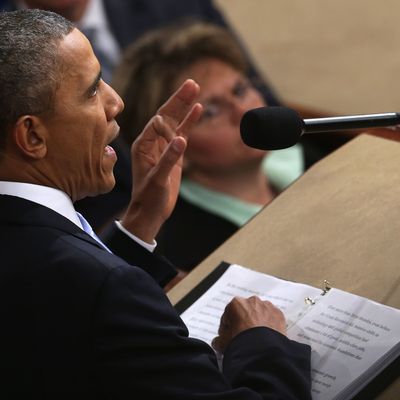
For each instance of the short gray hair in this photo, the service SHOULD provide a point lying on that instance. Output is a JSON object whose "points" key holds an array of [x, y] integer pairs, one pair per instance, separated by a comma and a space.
{"points": [[29, 64]]}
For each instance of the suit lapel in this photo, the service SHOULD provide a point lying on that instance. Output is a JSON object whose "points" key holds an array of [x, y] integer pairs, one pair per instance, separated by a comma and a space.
{"points": [[18, 211]]}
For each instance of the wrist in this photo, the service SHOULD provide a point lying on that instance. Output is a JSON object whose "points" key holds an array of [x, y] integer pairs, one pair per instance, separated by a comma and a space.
{"points": [[141, 225], [148, 246]]}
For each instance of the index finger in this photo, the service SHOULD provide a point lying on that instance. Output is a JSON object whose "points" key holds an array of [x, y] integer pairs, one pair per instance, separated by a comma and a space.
{"points": [[180, 103]]}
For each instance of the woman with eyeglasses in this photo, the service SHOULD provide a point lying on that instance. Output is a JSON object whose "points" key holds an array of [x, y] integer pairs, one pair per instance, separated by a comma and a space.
{"points": [[225, 182]]}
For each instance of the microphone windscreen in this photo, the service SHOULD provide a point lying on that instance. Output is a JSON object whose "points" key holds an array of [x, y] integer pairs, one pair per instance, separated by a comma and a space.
{"points": [[271, 128]]}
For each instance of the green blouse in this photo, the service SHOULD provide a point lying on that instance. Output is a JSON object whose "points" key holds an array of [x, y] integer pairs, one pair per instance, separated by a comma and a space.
{"points": [[281, 167]]}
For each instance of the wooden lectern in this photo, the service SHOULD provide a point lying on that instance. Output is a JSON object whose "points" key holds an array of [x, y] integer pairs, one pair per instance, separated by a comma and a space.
{"points": [[340, 221]]}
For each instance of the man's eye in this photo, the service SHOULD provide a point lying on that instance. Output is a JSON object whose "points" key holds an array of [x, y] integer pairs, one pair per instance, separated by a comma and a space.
{"points": [[93, 91]]}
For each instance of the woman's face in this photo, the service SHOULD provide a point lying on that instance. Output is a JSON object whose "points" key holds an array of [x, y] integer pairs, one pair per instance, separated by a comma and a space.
{"points": [[226, 94]]}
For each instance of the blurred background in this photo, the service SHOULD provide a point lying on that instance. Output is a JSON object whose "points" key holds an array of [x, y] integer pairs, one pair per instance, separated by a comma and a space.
{"points": [[339, 56]]}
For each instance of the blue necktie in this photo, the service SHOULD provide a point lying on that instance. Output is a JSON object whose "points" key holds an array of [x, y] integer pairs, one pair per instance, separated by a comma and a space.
{"points": [[89, 230]]}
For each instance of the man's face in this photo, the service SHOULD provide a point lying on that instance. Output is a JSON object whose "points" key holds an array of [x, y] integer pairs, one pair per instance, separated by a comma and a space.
{"points": [[79, 160]]}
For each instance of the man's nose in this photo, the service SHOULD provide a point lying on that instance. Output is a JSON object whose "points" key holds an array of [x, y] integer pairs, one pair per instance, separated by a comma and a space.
{"points": [[113, 103]]}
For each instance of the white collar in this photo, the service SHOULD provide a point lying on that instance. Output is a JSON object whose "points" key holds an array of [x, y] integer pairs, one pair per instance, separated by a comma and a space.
{"points": [[94, 16], [95, 19], [54, 199]]}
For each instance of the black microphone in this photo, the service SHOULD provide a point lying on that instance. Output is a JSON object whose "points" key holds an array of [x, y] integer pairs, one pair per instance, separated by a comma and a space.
{"points": [[274, 128]]}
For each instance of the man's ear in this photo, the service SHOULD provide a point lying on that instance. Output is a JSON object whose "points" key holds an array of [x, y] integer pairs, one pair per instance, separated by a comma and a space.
{"points": [[29, 135]]}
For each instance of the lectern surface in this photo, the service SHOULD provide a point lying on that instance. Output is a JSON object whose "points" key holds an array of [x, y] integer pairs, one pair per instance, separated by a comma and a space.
{"points": [[340, 221]]}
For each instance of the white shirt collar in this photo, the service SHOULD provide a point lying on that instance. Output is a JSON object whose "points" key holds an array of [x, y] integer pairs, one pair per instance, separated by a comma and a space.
{"points": [[54, 199], [57, 201], [94, 16]]}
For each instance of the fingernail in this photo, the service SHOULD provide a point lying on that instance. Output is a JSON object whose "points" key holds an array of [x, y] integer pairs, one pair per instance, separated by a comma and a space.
{"points": [[178, 145]]}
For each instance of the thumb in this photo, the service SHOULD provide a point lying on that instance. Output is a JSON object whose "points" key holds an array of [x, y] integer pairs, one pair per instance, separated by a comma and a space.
{"points": [[217, 345]]}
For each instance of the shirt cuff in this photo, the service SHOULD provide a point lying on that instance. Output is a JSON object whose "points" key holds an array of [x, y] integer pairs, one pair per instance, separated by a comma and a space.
{"points": [[148, 246]]}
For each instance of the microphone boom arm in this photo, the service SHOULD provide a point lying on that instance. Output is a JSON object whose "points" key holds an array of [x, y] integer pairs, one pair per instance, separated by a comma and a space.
{"points": [[316, 125]]}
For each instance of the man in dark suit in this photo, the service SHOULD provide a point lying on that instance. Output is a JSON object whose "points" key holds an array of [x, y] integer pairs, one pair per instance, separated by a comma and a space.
{"points": [[77, 321]]}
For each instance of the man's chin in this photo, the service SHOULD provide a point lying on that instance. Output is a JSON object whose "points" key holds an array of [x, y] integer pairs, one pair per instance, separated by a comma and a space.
{"points": [[104, 188], [107, 187]]}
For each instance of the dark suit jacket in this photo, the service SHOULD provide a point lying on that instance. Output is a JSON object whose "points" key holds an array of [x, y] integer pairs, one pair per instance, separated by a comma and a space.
{"points": [[79, 322]]}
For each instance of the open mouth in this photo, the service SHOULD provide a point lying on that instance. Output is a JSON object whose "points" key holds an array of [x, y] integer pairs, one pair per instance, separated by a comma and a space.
{"points": [[108, 151]]}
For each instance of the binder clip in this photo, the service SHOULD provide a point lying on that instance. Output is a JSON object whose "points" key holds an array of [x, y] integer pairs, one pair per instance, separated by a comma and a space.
{"points": [[327, 287], [309, 301]]}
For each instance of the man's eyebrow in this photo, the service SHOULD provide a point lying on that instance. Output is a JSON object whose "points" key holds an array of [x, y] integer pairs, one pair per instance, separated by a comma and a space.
{"points": [[94, 83]]}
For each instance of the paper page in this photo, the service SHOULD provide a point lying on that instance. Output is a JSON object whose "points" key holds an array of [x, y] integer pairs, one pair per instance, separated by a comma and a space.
{"points": [[347, 334], [202, 317]]}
